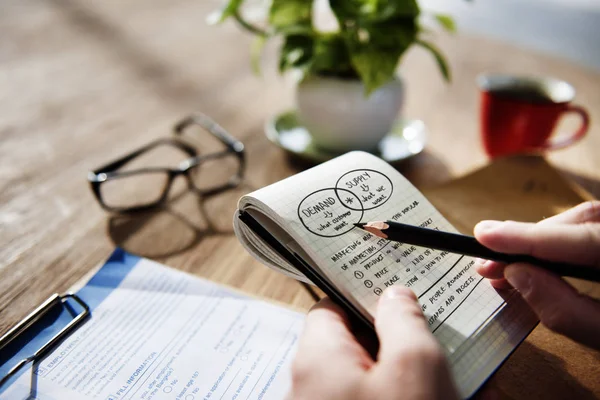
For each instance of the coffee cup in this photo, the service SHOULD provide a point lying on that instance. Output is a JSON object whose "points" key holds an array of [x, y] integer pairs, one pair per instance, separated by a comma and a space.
{"points": [[519, 114]]}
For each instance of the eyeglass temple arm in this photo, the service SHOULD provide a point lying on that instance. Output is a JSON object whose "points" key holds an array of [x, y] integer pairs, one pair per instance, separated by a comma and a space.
{"points": [[212, 127], [127, 158]]}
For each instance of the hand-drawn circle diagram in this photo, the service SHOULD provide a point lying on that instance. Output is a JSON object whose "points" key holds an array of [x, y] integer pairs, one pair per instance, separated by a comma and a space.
{"points": [[371, 187], [323, 212]]}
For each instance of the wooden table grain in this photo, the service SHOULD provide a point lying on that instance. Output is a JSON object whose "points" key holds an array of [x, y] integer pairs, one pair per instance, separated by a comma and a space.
{"points": [[84, 82]]}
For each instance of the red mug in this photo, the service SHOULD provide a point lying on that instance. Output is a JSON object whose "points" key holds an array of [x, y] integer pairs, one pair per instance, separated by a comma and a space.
{"points": [[519, 114]]}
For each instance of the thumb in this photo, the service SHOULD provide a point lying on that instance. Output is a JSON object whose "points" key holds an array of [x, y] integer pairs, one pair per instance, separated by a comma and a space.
{"points": [[409, 355], [402, 328], [557, 304]]}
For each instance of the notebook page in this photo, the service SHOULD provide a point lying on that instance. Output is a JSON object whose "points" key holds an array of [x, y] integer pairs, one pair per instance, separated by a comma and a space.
{"points": [[319, 206]]}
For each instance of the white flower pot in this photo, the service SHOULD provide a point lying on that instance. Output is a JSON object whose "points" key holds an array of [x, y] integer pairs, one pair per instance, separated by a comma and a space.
{"points": [[341, 118]]}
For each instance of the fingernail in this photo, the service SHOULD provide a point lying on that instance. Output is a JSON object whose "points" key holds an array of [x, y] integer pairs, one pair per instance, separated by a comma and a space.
{"points": [[395, 292], [518, 278], [485, 226]]}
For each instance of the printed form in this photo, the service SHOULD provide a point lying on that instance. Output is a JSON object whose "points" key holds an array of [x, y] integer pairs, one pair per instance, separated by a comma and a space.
{"points": [[157, 333]]}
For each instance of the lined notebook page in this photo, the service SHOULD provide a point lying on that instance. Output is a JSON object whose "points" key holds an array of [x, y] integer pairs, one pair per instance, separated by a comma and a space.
{"points": [[319, 207]]}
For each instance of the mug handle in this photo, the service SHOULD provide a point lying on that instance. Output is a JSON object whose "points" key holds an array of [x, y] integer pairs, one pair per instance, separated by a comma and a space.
{"points": [[579, 134]]}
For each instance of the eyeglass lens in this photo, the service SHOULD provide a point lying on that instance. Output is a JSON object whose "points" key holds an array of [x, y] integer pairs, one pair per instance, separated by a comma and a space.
{"points": [[215, 172], [134, 190]]}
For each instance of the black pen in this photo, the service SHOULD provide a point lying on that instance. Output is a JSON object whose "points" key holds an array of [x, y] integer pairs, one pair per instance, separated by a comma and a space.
{"points": [[468, 245]]}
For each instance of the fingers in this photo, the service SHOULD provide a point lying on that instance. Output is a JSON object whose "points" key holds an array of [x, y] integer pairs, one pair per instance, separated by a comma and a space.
{"points": [[584, 212], [556, 242], [400, 324], [494, 271], [558, 305], [409, 355], [327, 337], [572, 236], [490, 269], [501, 284], [329, 362]]}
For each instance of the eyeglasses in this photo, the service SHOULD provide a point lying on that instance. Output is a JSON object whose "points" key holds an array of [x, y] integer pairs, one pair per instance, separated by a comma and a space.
{"points": [[144, 188]]}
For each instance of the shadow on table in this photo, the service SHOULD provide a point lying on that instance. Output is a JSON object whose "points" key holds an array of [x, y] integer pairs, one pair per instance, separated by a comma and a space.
{"points": [[533, 373], [182, 224], [588, 183], [423, 167]]}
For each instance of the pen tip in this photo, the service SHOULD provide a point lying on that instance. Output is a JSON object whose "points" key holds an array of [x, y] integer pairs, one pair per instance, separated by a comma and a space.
{"points": [[360, 225]]}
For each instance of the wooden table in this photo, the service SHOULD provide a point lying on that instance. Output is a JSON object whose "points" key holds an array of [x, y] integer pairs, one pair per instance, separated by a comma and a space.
{"points": [[84, 82]]}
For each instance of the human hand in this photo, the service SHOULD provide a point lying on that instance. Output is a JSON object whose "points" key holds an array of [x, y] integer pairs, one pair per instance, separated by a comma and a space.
{"points": [[331, 364], [572, 236]]}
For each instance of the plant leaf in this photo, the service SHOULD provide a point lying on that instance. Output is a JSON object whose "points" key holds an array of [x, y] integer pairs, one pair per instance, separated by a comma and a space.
{"points": [[376, 58], [296, 52], [255, 53], [230, 9], [396, 8], [446, 22], [374, 68], [331, 56], [357, 11], [300, 29], [345, 10], [285, 13], [439, 58]]}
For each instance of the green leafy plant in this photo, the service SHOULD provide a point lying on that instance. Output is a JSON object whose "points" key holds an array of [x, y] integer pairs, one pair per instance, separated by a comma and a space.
{"points": [[371, 39]]}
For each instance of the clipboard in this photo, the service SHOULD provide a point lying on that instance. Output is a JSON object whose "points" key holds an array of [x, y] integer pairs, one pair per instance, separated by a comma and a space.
{"points": [[21, 329], [174, 319]]}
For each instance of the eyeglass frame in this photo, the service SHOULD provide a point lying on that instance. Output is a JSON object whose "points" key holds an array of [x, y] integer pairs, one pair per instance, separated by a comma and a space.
{"points": [[233, 146]]}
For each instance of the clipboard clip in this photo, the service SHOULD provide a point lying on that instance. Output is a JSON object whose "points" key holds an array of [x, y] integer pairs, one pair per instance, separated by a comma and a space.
{"points": [[32, 318]]}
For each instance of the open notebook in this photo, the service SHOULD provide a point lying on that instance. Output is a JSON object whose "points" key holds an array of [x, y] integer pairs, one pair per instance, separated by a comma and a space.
{"points": [[303, 227]]}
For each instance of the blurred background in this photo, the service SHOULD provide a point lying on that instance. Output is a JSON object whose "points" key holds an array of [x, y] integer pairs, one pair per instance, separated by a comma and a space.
{"points": [[565, 28]]}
